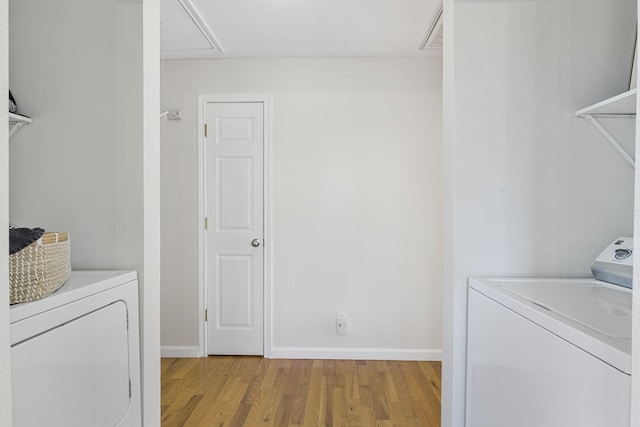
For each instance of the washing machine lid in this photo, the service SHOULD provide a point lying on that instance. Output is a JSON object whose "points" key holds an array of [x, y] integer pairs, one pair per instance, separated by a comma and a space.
{"points": [[588, 313]]}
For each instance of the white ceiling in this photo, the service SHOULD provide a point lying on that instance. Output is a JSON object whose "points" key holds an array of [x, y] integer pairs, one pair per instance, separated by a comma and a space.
{"points": [[279, 28]]}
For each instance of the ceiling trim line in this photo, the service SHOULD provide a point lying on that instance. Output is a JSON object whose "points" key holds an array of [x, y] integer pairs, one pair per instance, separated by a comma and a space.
{"points": [[200, 23]]}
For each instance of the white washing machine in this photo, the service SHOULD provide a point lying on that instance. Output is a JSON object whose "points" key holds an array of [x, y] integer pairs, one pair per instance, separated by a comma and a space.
{"points": [[75, 354], [548, 352]]}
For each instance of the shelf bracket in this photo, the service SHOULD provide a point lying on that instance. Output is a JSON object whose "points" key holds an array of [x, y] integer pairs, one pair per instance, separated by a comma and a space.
{"points": [[15, 128], [16, 121], [591, 119]]}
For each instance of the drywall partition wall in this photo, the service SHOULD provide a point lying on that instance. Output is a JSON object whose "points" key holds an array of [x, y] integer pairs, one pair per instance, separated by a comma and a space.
{"points": [[5, 359], [453, 361], [89, 163], [356, 202], [635, 352], [150, 293], [533, 191]]}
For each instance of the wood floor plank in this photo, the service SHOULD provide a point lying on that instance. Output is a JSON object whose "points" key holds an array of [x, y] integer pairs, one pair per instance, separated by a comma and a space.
{"points": [[256, 409], [421, 392], [299, 389], [248, 400], [269, 375], [165, 364], [404, 396], [339, 408], [379, 401], [179, 417], [435, 378], [315, 402], [230, 391], [210, 404], [180, 370]]}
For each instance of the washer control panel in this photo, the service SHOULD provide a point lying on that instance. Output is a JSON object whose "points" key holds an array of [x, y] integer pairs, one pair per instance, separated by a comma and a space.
{"points": [[618, 252], [615, 263], [621, 254]]}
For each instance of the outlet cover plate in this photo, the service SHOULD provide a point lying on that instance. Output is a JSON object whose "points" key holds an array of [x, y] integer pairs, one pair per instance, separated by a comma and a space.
{"points": [[342, 327]]}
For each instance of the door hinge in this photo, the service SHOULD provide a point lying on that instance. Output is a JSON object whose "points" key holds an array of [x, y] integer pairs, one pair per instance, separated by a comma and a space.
{"points": [[129, 387], [206, 315], [206, 222], [205, 130]]}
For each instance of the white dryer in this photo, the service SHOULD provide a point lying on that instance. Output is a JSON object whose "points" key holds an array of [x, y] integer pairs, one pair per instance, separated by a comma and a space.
{"points": [[75, 354], [548, 352]]}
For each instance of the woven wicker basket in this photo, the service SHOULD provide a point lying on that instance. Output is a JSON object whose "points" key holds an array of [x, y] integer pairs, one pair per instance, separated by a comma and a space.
{"points": [[40, 269]]}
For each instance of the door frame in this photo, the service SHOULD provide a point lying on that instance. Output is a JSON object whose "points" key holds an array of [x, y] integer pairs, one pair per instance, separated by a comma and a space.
{"points": [[266, 101]]}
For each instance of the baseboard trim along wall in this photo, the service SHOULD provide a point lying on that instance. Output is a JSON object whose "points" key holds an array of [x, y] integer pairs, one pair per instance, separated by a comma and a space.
{"points": [[356, 353], [325, 353], [179, 351]]}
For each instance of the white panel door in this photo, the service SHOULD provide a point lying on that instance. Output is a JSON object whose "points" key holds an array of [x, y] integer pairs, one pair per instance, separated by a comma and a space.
{"points": [[234, 147]]}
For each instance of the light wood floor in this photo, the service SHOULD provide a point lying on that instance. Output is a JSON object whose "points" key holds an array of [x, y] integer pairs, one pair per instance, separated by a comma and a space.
{"points": [[234, 391]]}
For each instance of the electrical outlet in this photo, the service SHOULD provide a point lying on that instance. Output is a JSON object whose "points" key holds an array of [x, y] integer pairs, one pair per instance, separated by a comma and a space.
{"points": [[342, 326], [341, 315]]}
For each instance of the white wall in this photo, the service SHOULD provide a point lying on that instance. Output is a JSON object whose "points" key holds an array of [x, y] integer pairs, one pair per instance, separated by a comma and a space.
{"points": [[356, 200], [89, 163], [77, 167], [5, 359], [532, 190]]}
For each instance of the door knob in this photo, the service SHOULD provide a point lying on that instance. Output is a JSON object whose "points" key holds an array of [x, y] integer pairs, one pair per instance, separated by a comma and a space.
{"points": [[255, 243]]}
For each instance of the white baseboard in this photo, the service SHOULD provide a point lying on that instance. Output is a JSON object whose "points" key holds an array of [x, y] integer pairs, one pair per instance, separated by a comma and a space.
{"points": [[180, 351], [355, 353], [336, 353]]}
